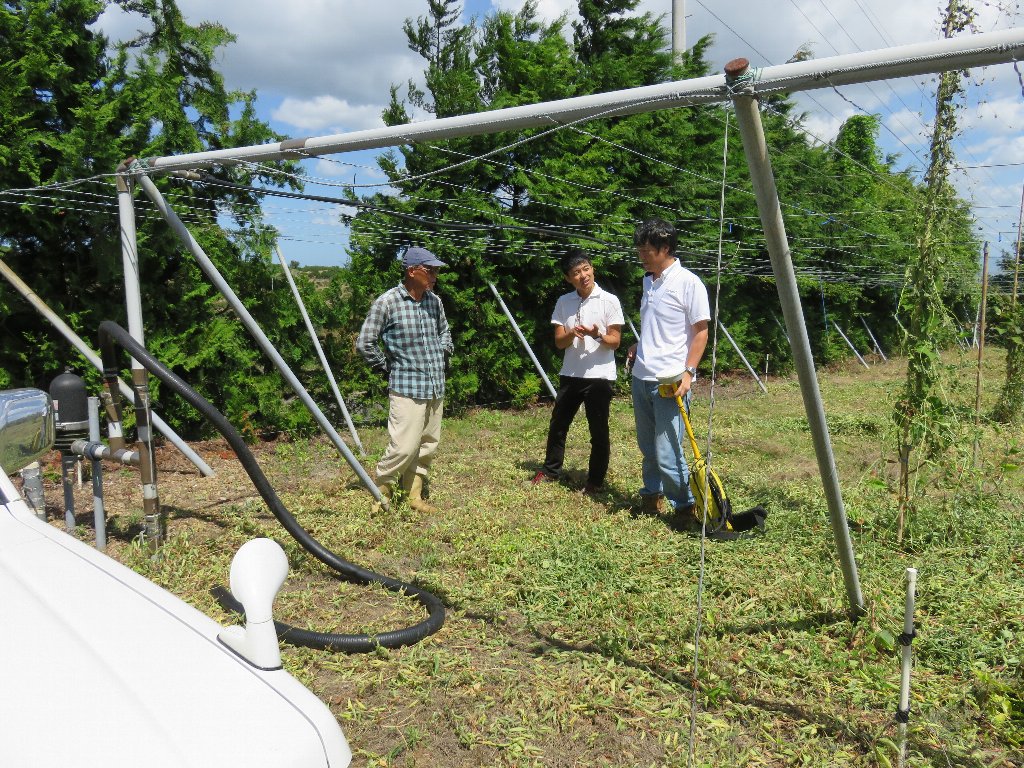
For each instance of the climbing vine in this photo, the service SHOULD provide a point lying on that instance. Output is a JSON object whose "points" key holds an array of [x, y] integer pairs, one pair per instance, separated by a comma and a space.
{"points": [[922, 417]]}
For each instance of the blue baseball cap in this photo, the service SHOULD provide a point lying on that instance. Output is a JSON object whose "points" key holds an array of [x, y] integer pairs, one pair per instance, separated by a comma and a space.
{"points": [[415, 257]]}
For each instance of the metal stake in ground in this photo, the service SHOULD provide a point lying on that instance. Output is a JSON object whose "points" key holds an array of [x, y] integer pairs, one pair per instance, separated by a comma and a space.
{"points": [[850, 344], [743, 357], [878, 347], [320, 352], [903, 713], [522, 339]]}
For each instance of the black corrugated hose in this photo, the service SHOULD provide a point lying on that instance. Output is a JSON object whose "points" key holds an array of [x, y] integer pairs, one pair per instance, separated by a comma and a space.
{"points": [[109, 333]]}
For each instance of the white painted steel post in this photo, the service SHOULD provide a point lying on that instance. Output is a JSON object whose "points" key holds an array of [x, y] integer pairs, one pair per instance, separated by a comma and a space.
{"points": [[850, 344], [781, 328], [903, 712], [154, 530], [215, 277], [320, 352], [770, 210], [87, 352], [522, 339], [981, 352], [878, 347], [98, 513], [742, 356]]}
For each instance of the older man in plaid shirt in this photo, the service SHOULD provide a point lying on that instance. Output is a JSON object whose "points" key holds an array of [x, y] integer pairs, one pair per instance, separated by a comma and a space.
{"points": [[406, 338]]}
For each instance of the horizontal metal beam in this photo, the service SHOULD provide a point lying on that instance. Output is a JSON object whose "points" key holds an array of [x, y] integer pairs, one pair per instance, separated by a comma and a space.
{"points": [[882, 64]]}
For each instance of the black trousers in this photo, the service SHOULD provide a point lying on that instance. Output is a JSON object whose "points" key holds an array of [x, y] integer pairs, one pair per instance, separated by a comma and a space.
{"points": [[596, 397]]}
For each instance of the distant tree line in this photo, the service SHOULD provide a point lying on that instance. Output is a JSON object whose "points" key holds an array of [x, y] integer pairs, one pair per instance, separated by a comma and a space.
{"points": [[73, 107]]}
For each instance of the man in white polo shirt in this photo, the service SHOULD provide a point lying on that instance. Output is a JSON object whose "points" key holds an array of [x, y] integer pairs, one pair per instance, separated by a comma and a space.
{"points": [[588, 326], [674, 315]]}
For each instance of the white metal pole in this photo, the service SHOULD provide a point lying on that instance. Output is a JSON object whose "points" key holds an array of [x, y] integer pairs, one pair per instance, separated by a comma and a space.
{"points": [[522, 340], [878, 347], [981, 353], [903, 712], [850, 344], [901, 61], [782, 328], [769, 208], [98, 513], [678, 29], [86, 351], [154, 522], [742, 357], [215, 277], [320, 352]]}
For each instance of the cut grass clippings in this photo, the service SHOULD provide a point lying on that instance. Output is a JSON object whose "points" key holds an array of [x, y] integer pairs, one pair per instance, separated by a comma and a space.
{"points": [[570, 631]]}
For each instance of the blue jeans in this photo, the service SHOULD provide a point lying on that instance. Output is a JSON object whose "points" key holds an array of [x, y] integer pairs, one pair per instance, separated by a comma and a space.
{"points": [[659, 430]]}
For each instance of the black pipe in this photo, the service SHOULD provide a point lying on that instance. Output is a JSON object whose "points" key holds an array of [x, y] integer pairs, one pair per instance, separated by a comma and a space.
{"points": [[109, 333]]}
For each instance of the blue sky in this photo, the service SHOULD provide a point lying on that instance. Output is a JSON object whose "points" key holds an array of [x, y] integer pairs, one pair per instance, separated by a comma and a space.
{"points": [[325, 66]]}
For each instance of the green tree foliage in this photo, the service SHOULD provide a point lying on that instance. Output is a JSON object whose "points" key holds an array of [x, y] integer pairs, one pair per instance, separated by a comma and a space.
{"points": [[500, 209], [505, 218], [75, 108]]}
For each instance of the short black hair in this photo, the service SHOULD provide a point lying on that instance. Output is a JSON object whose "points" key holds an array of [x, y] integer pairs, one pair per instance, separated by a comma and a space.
{"points": [[573, 259], [656, 232]]}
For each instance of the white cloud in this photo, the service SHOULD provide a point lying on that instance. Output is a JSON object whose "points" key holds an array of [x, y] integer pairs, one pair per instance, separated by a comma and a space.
{"points": [[327, 114], [1002, 115], [326, 66], [307, 48], [820, 128]]}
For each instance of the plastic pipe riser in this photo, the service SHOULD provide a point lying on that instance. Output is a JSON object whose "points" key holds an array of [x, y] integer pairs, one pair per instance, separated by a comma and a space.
{"points": [[99, 451]]}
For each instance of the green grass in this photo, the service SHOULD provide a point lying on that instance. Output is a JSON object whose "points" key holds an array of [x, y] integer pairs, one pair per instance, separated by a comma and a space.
{"points": [[570, 635]]}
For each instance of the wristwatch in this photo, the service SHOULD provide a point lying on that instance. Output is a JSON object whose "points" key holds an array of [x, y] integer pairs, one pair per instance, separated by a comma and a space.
{"points": [[692, 371]]}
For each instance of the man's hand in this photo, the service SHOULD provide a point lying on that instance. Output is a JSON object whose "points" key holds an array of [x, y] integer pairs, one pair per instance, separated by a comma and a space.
{"points": [[587, 330], [684, 385]]}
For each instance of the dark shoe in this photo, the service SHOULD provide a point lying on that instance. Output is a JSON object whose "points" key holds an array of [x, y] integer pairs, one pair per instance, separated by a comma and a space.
{"points": [[651, 504], [684, 520], [592, 490], [544, 477]]}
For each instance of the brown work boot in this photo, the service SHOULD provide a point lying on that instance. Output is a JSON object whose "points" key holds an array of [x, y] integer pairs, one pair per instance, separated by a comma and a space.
{"points": [[417, 500], [387, 492], [651, 504]]}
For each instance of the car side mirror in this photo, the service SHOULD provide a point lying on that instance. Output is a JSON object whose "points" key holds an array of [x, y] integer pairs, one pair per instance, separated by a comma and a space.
{"points": [[26, 427]]}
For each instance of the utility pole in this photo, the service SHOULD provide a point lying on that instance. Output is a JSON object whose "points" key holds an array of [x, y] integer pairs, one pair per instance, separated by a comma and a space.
{"points": [[678, 29]]}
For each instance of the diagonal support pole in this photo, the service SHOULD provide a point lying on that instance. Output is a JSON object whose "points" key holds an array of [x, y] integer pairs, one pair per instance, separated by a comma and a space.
{"points": [[769, 208]]}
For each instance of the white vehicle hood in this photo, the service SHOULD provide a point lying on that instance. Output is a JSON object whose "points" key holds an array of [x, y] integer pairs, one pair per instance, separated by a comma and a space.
{"points": [[100, 667]]}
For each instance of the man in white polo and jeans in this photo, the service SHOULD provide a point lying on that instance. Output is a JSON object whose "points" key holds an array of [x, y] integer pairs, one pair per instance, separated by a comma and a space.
{"points": [[588, 326], [674, 315]]}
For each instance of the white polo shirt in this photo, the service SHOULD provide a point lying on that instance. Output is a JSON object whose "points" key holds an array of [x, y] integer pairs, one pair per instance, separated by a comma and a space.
{"points": [[669, 308], [588, 358]]}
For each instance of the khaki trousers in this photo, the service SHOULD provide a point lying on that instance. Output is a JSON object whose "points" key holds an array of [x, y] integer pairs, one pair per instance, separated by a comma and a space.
{"points": [[414, 429]]}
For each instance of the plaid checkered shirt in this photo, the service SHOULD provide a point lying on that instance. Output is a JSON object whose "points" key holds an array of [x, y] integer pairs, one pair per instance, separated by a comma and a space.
{"points": [[408, 341]]}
